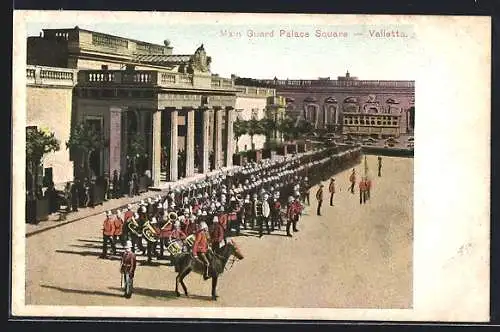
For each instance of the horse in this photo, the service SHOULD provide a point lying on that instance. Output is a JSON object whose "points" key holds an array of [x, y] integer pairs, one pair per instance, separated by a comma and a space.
{"points": [[185, 263]]}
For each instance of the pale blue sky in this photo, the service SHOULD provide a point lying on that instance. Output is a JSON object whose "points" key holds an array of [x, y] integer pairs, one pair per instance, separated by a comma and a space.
{"points": [[306, 58]]}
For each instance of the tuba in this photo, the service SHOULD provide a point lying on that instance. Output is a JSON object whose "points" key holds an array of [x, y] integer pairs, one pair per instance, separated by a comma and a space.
{"points": [[133, 227], [149, 232], [172, 217]]}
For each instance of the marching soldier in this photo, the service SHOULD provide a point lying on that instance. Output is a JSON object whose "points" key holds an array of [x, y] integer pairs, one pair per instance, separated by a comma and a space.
{"points": [[216, 234], [200, 247], [151, 247], [266, 211], [331, 189], [319, 198], [108, 231], [290, 215], [118, 233], [352, 179], [305, 186]]}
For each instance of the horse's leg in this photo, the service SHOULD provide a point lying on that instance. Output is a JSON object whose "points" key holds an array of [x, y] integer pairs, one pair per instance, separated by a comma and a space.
{"points": [[214, 288], [184, 275], [177, 285]]}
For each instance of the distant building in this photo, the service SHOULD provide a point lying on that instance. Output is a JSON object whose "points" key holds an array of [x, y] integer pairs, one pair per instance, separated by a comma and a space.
{"points": [[128, 88], [347, 104]]}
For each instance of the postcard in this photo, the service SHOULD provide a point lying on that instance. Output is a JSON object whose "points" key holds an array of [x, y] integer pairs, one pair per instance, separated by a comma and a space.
{"points": [[251, 166]]}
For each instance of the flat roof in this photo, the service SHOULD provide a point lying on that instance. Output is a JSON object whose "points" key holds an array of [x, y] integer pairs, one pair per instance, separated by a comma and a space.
{"points": [[76, 28]]}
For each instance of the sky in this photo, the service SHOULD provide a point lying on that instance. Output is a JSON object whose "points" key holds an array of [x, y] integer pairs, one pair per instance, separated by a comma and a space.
{"points": [[234, 50]]}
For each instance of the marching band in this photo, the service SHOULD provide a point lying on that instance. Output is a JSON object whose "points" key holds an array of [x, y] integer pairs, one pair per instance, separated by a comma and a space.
{"points": [[200, 216]]}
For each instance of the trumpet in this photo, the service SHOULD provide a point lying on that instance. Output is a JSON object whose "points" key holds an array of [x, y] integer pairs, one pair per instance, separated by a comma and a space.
{"points": [[133, 227], [149, 232]]}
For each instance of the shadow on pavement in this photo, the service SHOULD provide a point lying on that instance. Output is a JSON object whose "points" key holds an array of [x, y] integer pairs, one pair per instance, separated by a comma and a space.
{"points": [[158, 293], [81, 291]]}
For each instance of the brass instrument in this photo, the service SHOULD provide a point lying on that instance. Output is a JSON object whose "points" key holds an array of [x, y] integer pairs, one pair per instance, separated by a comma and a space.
{"points": [[172, 217], [149, 232], [133, 227]]}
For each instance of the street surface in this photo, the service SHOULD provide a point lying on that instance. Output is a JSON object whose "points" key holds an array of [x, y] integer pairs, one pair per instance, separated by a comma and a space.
{"points": [[352, 256]]}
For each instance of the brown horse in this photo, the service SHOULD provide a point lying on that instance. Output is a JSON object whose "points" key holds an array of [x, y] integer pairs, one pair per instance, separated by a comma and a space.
{"points": [[185, 263]]}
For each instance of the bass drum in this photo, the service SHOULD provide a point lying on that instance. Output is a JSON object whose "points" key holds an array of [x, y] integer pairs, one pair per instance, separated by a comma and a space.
{"points": [[175, 247]]}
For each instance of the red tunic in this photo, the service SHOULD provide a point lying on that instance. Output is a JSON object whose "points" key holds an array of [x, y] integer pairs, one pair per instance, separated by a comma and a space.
{"points": [[362, 185], [223, 220], [129, 263], [129, 214], [290, 211], [108, 227], [177, 234], [217, 233], [165, 232], [118, 223], [190, 229], [368, 184], [200, 243]]}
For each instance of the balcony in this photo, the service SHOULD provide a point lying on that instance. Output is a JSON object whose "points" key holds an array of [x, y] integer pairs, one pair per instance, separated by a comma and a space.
{"points": [[39, 75], [149, 78], [250, 91]]}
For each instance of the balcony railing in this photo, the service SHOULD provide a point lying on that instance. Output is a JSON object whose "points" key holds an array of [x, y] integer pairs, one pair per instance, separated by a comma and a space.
{"points": [[300, 84], [149, 77], [40, 75], [254, 91]]}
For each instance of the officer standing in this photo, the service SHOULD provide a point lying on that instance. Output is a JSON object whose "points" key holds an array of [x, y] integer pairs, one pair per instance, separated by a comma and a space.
{"points": [[352, 179], [319, 197], [379, 166], [331, 189], [362, 191]]}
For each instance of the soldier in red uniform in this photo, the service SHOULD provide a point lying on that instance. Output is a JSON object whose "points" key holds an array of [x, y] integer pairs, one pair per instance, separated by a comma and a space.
{"points": [[362, 191], [129, 261], [290, 215], [108, 231], [129, 214], [176, 233], [200, 247], [216, 234], [118, 233]]}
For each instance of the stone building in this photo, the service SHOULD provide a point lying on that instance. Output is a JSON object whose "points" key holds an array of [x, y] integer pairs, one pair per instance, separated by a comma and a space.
{"points": [[352, 106], [127, 88]]}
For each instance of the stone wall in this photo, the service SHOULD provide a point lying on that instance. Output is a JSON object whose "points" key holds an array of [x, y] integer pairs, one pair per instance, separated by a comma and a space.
{"points": [[50, 108]]}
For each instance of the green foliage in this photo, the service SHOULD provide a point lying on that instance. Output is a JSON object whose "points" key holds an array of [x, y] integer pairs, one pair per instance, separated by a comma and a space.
{"points": [[137, 147], [239, 128], [288, 128], [38, 144], [254, 127], [85, 138]]}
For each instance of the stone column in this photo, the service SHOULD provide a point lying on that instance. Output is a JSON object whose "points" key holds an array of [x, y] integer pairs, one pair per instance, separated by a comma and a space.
{"points": [[205, 143], [218, 138], [156, 152], [189, 142], [230, 136], [174, 142]]}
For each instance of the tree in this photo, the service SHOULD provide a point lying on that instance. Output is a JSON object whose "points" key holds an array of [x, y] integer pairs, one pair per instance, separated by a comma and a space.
{"points": [[254, 127], [289, 129], [38, 144], [239, 129], [136, 151], [85, 139], [269, 127]]}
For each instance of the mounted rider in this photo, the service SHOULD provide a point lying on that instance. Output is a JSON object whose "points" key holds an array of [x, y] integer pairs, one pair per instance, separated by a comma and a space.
{"points": [[200, 247]]}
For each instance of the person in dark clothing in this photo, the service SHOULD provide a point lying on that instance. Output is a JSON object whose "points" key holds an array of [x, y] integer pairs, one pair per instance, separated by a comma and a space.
{"points": [[75, 196], [115, 184]]}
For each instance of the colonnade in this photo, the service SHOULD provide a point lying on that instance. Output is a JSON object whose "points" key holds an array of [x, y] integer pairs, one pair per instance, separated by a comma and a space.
{"points": [[223, 155]]}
